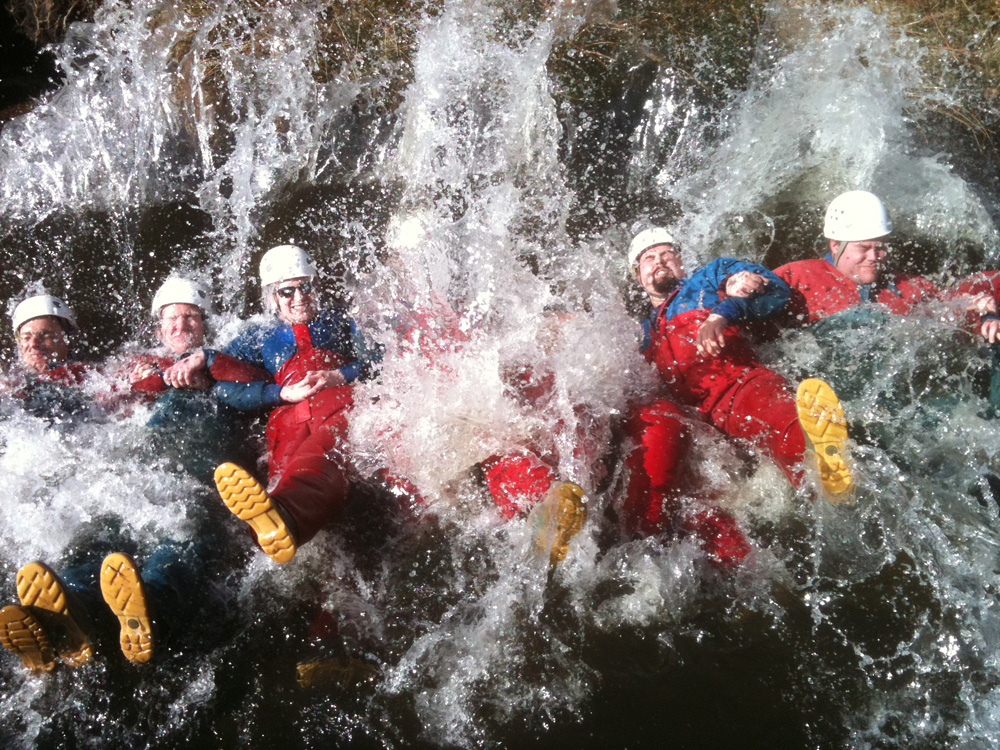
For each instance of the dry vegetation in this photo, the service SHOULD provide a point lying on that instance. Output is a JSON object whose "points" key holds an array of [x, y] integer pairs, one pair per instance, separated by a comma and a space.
{"points": [[45, 21]]}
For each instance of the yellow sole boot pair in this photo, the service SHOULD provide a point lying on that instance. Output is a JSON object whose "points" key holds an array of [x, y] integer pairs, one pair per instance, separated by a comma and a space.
{"points": [[822, 419], [247, 499], [47, 625], [557, 519]]}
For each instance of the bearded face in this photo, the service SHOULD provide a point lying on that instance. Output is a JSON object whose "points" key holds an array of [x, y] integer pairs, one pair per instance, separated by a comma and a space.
{"points": [[659, 270]]}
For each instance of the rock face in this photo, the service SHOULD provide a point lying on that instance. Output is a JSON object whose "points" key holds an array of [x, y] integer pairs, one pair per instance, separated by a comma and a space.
{"points": [[25, 71]]}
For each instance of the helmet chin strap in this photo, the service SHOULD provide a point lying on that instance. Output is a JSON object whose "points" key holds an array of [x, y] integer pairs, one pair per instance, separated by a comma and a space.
{"points": [[840, 251]]}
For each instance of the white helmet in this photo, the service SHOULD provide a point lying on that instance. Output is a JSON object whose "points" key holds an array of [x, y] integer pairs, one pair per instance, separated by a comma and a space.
{"points": [[856, 216], [645, 240], [285, 262], [40, 306], [180, 291]]}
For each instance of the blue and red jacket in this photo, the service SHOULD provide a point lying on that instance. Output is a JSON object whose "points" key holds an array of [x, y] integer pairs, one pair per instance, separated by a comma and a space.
{"points": [[271, 345], [704, 291], [697, 379]]}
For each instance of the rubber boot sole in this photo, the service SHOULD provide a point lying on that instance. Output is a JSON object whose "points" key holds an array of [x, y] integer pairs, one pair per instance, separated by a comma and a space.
{"points": [[38, 586], [123, 592], [340, 672], [249, 502], [558, 518], [22, 634], [822, 419]]}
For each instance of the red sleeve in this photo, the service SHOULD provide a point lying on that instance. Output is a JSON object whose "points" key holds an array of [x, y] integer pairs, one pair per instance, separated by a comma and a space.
{"points": [[152, 384], [225, 367]]}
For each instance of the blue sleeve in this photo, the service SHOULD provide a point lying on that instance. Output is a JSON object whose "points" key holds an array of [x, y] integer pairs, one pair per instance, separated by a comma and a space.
{"points": [[770, 302], [248, 396], [645, 338], [367, 356]]}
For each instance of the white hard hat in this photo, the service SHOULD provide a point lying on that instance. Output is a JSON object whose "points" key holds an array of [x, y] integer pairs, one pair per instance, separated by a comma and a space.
{"points": [[856, 216], [40, 306], [645, 240], [180, 291], [285, 262]]}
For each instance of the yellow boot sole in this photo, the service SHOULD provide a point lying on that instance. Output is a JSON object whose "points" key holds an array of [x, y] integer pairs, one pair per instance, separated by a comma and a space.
{"points": [[249, 501], [122, 589], [822, 419], [558, 518], [38, 586], [23, 635], [340, 672]]}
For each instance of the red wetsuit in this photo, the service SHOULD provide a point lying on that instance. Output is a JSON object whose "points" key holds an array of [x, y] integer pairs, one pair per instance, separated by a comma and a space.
{"points": [[306, 442], [734, 391], [819, 290]]}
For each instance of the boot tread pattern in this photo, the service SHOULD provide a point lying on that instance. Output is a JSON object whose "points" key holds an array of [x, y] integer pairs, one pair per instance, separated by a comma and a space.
{"points": [[249, 501], [825, 427], [38, 586], [122, 590], [23, 635]]}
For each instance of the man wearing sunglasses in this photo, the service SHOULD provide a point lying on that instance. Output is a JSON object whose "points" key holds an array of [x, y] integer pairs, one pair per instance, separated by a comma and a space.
{"points": [[313, 352]]}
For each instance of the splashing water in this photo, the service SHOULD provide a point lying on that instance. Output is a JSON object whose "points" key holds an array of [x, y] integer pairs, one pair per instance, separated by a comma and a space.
{"points": [[870, 625]]}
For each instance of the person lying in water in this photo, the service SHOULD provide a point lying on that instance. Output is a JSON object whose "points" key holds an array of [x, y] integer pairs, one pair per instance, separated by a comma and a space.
{"points": [[101, 585]]}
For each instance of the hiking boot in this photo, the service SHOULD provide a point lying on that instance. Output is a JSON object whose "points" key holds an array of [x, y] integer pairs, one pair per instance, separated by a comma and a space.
{"points": [[343, 672], [23, 635], [558, 518], [822, 419], [249, 501], [39, 587], [122, 589]]}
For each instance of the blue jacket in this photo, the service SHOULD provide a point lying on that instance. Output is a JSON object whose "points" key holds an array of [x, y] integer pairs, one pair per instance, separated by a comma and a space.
{"points": [[703, 290], [271, 344]]}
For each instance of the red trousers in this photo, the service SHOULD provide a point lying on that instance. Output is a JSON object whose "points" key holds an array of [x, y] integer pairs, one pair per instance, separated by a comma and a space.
{"points": [[653, 505], [518, 481], [306, 450], [733, 391]]}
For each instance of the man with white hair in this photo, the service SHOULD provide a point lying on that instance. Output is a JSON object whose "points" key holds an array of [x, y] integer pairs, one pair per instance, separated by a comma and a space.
{"points": [[313, 352]]}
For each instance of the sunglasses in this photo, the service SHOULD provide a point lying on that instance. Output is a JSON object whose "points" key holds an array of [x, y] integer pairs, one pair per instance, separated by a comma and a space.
{"points": [[287, 292]]}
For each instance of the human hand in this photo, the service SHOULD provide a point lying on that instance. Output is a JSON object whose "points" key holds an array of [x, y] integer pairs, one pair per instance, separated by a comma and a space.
{"points": [[983, 304], [141, 371], [189, 372], [989, 329], [710, 340], [311, 384], [745, 284]]}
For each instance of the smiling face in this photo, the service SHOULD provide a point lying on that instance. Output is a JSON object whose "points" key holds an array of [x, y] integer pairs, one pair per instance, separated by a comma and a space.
{"points": [[41, 342], [862, 262], [658, 270], [182, 327], [296, 300]]}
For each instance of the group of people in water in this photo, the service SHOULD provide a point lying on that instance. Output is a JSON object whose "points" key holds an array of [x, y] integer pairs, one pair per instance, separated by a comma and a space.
{"points": [[299, 366]]}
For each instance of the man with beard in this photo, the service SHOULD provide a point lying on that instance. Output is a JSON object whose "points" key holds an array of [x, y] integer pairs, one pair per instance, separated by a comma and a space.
{"points": [[694, 337]]}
